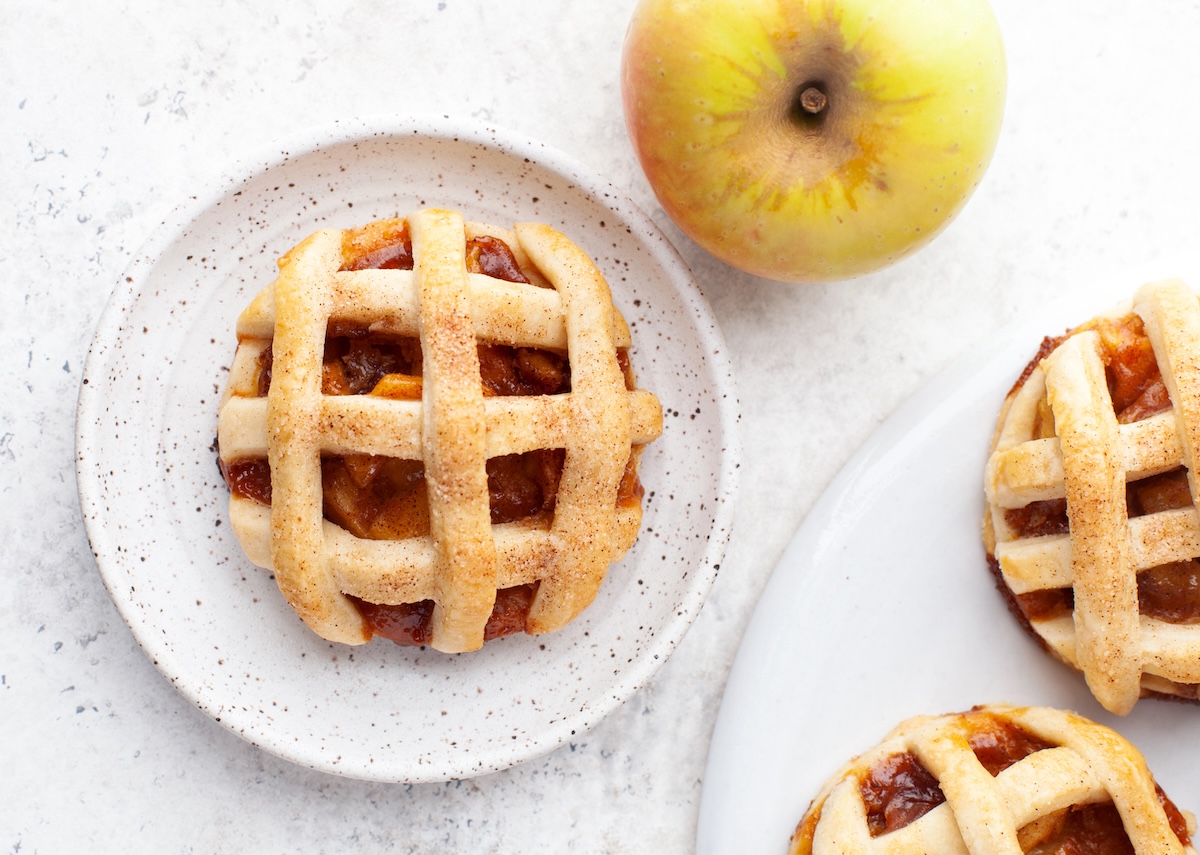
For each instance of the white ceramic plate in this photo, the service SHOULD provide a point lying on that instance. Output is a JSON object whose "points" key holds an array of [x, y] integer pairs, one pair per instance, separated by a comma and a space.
{"points": [[155, 506], [882, 607]]}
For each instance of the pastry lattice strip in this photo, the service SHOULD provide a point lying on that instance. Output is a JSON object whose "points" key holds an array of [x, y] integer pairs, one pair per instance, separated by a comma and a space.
{"points": [[1089, 463], [453, 431], [982, 814]]}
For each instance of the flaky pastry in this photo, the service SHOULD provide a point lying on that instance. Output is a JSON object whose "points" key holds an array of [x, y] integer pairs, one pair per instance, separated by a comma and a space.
{"points": [[1092, 527], [998, 780], [431, 431]]}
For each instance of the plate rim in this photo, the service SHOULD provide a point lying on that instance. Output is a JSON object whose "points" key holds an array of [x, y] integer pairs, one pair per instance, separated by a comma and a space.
{"points": [[309, 141]]}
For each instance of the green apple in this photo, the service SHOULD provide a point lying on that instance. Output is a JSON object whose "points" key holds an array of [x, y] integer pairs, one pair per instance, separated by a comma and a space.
{"points": [[813, 140]]}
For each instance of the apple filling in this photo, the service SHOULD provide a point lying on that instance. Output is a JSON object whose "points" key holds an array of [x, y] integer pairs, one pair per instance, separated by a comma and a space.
{"points": [[385, 498], [898, 790], [1134, 381], [1169, 592]]}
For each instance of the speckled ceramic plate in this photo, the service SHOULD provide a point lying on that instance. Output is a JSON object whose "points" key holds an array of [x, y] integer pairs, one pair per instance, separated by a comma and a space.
{"points": [[155, 504]]}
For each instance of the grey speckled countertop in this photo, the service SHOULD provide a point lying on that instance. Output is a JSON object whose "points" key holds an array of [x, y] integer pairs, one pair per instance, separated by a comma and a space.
{"points": [[111, 113]]}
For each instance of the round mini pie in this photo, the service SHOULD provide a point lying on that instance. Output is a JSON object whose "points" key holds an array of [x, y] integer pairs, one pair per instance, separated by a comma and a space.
{"points": [[1092, 527], [997, 780], [431, 431]]}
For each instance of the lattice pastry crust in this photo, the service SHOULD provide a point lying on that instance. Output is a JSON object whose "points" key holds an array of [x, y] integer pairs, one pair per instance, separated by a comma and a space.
{"points": [[1058, 438], [986, 807], [451, 428]]}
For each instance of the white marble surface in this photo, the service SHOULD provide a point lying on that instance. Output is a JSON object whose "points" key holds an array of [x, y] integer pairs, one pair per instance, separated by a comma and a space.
{"points": [[110, 113]]}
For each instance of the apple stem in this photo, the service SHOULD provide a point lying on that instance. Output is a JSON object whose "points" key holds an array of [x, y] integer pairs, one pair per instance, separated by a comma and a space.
{"points": [[813, 100]]}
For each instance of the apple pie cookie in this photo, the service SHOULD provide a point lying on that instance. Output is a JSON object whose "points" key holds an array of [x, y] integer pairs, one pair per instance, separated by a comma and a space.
{"points": [[997, 780], [431, 431], [1092, 527]]}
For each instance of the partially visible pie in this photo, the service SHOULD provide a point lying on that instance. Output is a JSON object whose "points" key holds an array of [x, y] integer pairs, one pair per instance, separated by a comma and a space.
{"points": [[431, 431], [997, 780], [1092, 526]]}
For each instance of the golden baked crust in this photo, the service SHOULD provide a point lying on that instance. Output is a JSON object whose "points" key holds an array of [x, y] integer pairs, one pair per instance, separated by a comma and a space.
{"points": [[451, 429], [1063, 762], [1059, 438]]}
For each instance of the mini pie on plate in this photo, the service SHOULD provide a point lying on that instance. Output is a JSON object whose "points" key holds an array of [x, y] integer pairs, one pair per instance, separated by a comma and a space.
{"points": [[1092, 527], [431, 431], [997, 780]]}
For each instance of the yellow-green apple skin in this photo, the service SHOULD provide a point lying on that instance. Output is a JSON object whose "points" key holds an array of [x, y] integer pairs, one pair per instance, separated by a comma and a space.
{"points": [[911, 101]]}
